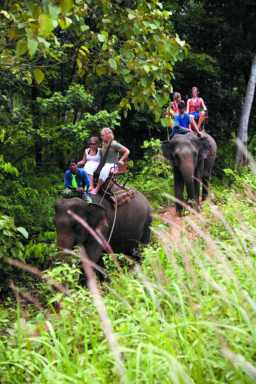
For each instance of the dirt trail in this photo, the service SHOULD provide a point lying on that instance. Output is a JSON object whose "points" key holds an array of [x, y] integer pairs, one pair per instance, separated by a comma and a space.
{"points": [[173, 220], [178, 223]]}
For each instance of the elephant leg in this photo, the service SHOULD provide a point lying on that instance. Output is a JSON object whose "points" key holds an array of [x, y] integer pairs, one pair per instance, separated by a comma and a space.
{"points": [[93, 250], [206, 183], [178, 188]]}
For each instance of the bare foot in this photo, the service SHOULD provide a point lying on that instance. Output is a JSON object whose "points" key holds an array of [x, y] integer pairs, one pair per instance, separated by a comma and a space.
{"points": [[94, 192]]}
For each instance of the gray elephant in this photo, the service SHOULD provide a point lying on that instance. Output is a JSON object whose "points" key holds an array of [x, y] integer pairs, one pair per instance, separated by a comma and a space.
{"points": [[132, 226], [191, 157]]}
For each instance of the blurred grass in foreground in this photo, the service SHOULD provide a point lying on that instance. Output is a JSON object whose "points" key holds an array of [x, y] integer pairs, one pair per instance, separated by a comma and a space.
{"points": [[187, 314]]}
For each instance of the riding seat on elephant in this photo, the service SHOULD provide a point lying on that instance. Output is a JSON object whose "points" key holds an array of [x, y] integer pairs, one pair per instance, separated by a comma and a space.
{"points": [[131, 227], [192, 159]]}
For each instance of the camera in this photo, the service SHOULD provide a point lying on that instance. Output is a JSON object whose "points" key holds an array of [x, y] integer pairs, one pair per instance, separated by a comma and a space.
{"points": [[196, 108]]}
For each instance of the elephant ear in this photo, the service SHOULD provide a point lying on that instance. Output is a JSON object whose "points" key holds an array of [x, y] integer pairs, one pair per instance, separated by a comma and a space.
{"points": [[166, 150], [206, 149], [97, 217]]}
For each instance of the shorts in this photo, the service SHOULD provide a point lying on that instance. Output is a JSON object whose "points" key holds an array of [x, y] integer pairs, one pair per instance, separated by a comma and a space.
{"points": [[195, 114]]}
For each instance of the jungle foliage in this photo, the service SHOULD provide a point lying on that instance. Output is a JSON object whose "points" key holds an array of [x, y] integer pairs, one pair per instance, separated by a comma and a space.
{"points": [[69, 68]]}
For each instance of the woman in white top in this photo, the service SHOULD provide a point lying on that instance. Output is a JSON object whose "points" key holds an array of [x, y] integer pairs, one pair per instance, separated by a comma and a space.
{"points": [[92, 158]]}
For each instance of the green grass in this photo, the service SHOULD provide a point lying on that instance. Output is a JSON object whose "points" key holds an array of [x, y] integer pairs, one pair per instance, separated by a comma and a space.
{"points": [[186, 314]]}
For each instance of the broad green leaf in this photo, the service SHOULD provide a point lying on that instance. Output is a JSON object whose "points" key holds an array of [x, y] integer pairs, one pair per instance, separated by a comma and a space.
{"points": [[42, 24], [99, 72], [169, 47], [161, 47], [65, 6], [104, 33], [157, 74], [113, 64], [160, 100], [104, 47], [21, 48], [43, 41], [131, 16], [153, 26], [165, 122], [32, 47], [126, 71], [15, 252], [143, 82], [128, 78], [39, 75], [23, 232], [125, 113], [180, 55], [102, 38], [84, 28], [11, 34], [146, 68], [30, 4]]}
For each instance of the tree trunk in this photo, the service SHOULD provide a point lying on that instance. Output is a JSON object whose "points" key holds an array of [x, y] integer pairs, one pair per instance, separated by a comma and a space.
{"points": [[241, 154]]}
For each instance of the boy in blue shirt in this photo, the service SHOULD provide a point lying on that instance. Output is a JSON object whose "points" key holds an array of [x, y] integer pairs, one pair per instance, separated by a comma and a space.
{"points": [[76, 182], [182, 120]]}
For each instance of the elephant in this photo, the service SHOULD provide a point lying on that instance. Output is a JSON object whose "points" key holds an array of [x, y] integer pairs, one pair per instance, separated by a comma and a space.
{"points": [[192, 158], [132, 225]]}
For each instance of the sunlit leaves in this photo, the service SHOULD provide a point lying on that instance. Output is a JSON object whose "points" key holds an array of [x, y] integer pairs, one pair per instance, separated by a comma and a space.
{"points": [[32, 47], [118, 41], [113, 64], [21, 48], [39, 75], [11, 34]]}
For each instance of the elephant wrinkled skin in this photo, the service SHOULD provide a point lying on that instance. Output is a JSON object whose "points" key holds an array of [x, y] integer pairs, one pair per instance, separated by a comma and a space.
{"points": [[133, 224], [192, 158]]}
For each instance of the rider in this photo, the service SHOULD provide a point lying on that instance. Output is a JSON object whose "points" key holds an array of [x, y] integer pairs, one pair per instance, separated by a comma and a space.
{"points": [[112, 156], [193, 107], [175, 103], [76, 182], [174, 106], [182, 121]]}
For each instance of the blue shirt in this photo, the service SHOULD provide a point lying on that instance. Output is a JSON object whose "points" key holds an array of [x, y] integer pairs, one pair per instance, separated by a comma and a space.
{"points": [[82, 179], [182, 121]]}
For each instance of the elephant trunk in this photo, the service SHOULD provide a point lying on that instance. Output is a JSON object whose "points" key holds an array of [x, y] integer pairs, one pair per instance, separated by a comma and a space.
{"points": [[187, 170], [65, 241]]}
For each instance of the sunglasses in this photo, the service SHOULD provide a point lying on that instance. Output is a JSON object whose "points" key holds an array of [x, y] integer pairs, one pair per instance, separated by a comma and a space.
{"points": [[92, 143]]}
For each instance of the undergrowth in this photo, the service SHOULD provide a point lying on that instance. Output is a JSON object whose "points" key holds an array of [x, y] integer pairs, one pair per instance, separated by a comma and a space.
{"points": [[185, 314]]}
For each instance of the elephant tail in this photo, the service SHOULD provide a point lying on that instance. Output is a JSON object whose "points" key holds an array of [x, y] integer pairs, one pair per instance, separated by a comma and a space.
{"points": [[147, 227]]}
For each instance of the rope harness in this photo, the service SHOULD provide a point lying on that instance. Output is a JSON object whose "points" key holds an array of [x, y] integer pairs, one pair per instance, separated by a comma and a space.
{"points": [[114, 221]]}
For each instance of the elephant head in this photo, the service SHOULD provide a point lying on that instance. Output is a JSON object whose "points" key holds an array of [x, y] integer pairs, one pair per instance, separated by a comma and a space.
{"points": [[189, 156], [70, 233]]}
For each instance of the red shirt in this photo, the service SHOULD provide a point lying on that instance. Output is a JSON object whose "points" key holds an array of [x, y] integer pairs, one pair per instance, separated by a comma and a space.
{"points": [[175, 109], [192, 105]]}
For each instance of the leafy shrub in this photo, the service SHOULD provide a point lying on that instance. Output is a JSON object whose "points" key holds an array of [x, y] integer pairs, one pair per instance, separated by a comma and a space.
{"points": [[155, 176]]}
